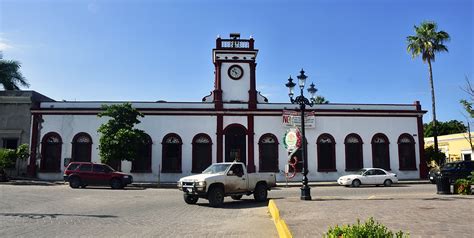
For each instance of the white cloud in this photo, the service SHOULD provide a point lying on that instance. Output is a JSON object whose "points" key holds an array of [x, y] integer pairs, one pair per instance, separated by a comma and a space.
{"points": [[4, 45]]}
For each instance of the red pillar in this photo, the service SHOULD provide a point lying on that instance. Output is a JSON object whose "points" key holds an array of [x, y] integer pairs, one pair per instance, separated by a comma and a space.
{"points": [[250, 135], [220, 131], [34, 144], [421, 143]]}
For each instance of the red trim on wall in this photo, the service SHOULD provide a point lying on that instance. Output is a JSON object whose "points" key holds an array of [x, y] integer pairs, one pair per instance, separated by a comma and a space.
{"points": [[220, 135], [421, 144], [194, 152], [251, 150], [74, 141], [217, 86], [260, 152], [164, 150], [34, 145], [252, 91], [347, 154], [57, 166], [333, 152], [387, 147], [149, 158], [411, 166]]}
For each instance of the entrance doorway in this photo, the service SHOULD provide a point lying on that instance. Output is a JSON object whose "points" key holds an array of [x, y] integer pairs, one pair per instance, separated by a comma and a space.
{"points": [[235, 147]]}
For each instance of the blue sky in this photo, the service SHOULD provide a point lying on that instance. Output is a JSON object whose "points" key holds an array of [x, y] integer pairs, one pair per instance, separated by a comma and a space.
{"points": [[144, 50]]}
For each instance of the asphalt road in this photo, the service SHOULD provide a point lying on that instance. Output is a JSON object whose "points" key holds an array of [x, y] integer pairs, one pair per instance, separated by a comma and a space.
{"points": [[59, 211]]}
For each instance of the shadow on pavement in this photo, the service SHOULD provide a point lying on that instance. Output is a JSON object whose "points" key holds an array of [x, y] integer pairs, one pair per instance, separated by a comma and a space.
{"points": [[108, 188], [54, 215], [240, 204]]}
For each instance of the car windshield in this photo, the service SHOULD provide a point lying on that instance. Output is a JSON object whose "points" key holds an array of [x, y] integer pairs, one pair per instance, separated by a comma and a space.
{"points": [[361, 172], [449, 165], [216, 169]]}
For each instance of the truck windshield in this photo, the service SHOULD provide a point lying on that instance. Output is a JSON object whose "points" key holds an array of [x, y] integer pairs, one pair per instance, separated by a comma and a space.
{"points": [[216, 169]]}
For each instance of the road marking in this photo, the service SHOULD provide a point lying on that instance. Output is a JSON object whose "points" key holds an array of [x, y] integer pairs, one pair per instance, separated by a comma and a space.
{"points": [[372, 197]]}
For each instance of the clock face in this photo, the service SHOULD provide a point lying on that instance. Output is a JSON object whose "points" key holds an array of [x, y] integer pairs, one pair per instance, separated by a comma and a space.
{"points": [[235, 72]]}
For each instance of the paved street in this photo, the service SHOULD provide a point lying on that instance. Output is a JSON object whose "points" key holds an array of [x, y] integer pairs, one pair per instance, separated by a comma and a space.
{"points": [[58, 211]]}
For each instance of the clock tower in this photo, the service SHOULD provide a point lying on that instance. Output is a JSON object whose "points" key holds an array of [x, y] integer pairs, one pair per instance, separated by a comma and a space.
{"points": [[234, 61]]}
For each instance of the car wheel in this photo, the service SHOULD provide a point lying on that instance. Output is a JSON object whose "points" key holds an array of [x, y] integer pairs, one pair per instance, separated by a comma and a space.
{"points": [[190, 199], [356, 183], [83, 186], [216, 197], [387, 183], [260, 194], [74, 182], [236, 197], [116, 184]]}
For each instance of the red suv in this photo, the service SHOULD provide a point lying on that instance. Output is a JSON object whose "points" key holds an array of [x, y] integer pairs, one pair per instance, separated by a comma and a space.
{"points": [[81, 174]]}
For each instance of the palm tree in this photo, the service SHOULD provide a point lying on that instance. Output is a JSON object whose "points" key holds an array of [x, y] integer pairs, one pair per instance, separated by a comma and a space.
{"points": [[321, 100], [10, 75], [427, 42]]}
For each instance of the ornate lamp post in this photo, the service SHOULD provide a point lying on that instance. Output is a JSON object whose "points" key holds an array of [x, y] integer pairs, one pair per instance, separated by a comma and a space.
{"points": [[302, 101]]}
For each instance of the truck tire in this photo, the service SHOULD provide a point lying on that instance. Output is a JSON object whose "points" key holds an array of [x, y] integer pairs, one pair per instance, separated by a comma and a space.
{"points": [[190, 199], [216, 197], [236, 197], [260, 193]]}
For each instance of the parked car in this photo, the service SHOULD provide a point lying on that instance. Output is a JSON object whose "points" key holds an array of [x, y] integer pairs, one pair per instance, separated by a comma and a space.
{"points": [[226, 179], [82, 174], [369, 176], [433, 174], [457, 170]]}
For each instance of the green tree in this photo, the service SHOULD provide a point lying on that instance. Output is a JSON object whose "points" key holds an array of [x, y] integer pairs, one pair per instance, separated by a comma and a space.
{"points": [[119, 140], [321, 100], [445, 128], [10, 75], [431, 155], [427, 42]]}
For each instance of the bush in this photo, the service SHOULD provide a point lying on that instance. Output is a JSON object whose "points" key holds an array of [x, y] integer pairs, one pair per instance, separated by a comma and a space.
{"points": [[462, 186], [369, 229]]}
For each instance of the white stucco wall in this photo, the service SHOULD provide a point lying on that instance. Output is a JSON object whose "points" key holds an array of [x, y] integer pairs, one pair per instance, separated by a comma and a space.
{"points": [[189, 126], [156, 126], [339, 128], [234, 90]]}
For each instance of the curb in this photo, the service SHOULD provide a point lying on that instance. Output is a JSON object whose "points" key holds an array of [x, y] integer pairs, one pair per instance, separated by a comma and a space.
{"points": [[280, 224]]}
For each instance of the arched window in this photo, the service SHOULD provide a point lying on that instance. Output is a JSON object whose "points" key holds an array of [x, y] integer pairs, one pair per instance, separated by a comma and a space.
{"points": [[326, 153], [268, 152], [406, 152], [142, 164], [380, 151], [51, 152], [354, 157], [81, 147], [202, 152], [171, 156]]}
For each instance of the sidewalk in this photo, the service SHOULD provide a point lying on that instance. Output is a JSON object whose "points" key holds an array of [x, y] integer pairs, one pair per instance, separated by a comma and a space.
{"points": [[421, 215]]}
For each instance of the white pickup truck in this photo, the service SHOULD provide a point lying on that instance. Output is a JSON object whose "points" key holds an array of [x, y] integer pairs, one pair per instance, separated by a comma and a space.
{"points": [[226, 179]]}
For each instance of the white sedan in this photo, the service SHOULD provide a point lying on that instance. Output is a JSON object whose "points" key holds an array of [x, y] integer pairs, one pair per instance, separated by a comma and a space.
{"points": [[372, 176]]}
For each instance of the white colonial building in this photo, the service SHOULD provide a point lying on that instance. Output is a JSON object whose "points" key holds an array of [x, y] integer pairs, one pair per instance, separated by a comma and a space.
{"points": [[235, 123]]}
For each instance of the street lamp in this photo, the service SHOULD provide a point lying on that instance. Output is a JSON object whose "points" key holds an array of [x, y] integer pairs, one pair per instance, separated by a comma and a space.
{"points": [[302, 101]]}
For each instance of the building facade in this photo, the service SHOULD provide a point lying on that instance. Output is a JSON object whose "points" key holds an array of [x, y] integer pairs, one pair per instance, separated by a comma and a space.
{"points": [[15, 122], [454, 146], [235, 122]]}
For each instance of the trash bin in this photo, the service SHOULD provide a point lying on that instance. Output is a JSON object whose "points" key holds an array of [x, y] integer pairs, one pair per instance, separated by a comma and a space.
{"points": [[442, 185]]}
